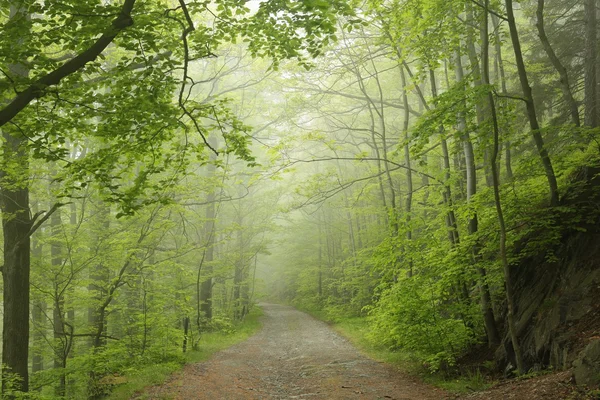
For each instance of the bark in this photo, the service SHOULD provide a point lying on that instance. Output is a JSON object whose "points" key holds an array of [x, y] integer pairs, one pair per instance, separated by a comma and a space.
{"points": [[186, 326], [37, 315], [60, 340], [16, 225], [591, 55], [99, 277], [377, 107], [238, 277], [37, 89], [206, 285], [479, 108], [407, 160], [382, 155], [504, 257], [320, 262], [530, 105], [498, 47], [485, 298], [502, 79], [447, 191], [205, 306], [560, 68]]}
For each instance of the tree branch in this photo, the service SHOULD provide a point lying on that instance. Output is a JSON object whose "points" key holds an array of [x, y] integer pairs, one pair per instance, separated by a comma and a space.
{"points": [[37, 88], [35, 225], [502, 17], [86, 335], [367, 159]]}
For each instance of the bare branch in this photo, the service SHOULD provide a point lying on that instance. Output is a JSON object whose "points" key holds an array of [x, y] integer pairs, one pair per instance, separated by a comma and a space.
{"points": [[502, 17], [368, 159], [35, 225]]}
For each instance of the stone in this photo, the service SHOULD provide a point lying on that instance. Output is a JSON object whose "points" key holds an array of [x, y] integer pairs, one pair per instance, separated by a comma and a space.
{"points": [[587, 366]]}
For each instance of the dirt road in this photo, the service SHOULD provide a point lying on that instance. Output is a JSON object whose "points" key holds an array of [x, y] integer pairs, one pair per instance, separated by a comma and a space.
{"points": [[293, 357]]}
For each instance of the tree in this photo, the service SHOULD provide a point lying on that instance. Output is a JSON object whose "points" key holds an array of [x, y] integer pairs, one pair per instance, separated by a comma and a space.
{"points": [[530, 105], [80, 88]]}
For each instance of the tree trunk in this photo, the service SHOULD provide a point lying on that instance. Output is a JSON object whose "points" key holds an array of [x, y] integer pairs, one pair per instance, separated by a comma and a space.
{"points": [[320, 262], [37, 314], [447, 191], [16, 223], [591, 79], [562, 71], [502, 79], [99, 277], [58, 322], [238, 277], [486, 301], [186, 326], [504, 257], [407, 160], [205, 271], [530, 105]]}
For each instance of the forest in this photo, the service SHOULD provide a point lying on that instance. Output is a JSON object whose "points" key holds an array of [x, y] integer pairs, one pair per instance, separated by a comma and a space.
{"points": [[427, 169]]}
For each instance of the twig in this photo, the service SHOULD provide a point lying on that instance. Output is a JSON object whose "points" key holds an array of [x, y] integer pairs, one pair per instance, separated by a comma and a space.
{"points": [[502, 17]]}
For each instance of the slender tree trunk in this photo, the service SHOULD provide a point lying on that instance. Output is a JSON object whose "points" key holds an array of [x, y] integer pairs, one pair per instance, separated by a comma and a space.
{"points": [[486, 301], [37, 314], [186, 327], [359, 234], [447, 192], [60, 343], [407, 163], [510, 297], [99, 276], [591, 59], [98, 288], [477, 81], [502, 79], [320, 262], [562, 71], [379, 109], [206, 270], [238, 278], [530, 105]]}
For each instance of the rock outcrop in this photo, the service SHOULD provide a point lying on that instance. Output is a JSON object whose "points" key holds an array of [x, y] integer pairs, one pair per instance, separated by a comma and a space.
{"points": [[555, 295]]}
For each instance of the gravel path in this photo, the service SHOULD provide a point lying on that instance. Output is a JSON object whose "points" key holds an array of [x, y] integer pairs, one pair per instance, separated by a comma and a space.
{"points": [[293, 357]]}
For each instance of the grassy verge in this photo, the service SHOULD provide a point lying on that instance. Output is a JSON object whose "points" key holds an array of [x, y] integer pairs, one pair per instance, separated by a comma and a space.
{"points": [[355, 329], [209, 344]]}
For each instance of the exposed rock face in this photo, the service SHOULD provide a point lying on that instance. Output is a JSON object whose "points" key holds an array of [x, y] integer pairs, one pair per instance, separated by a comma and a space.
{"points": [[587, 366], [554, 297]]}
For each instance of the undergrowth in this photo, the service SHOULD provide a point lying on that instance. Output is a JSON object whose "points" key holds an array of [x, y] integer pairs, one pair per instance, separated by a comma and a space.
{"points": [[357, 330], [210, 343]]}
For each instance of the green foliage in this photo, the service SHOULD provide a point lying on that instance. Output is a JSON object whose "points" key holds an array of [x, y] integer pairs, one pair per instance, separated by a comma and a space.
{"points": [[144, 374], [468, 383], [423, 322]]}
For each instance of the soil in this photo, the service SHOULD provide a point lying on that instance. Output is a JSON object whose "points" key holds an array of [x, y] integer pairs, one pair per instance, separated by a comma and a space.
{"points": [[293, 357], [555, 386]]}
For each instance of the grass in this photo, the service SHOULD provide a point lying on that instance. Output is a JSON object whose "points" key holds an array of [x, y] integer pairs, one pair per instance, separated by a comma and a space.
{"points": [[355, 329], [471, 382], [209, 344]]}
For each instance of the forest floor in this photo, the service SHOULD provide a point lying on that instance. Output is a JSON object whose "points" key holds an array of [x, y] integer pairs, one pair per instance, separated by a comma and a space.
{"points": [[552, 386], [294, 356]]}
